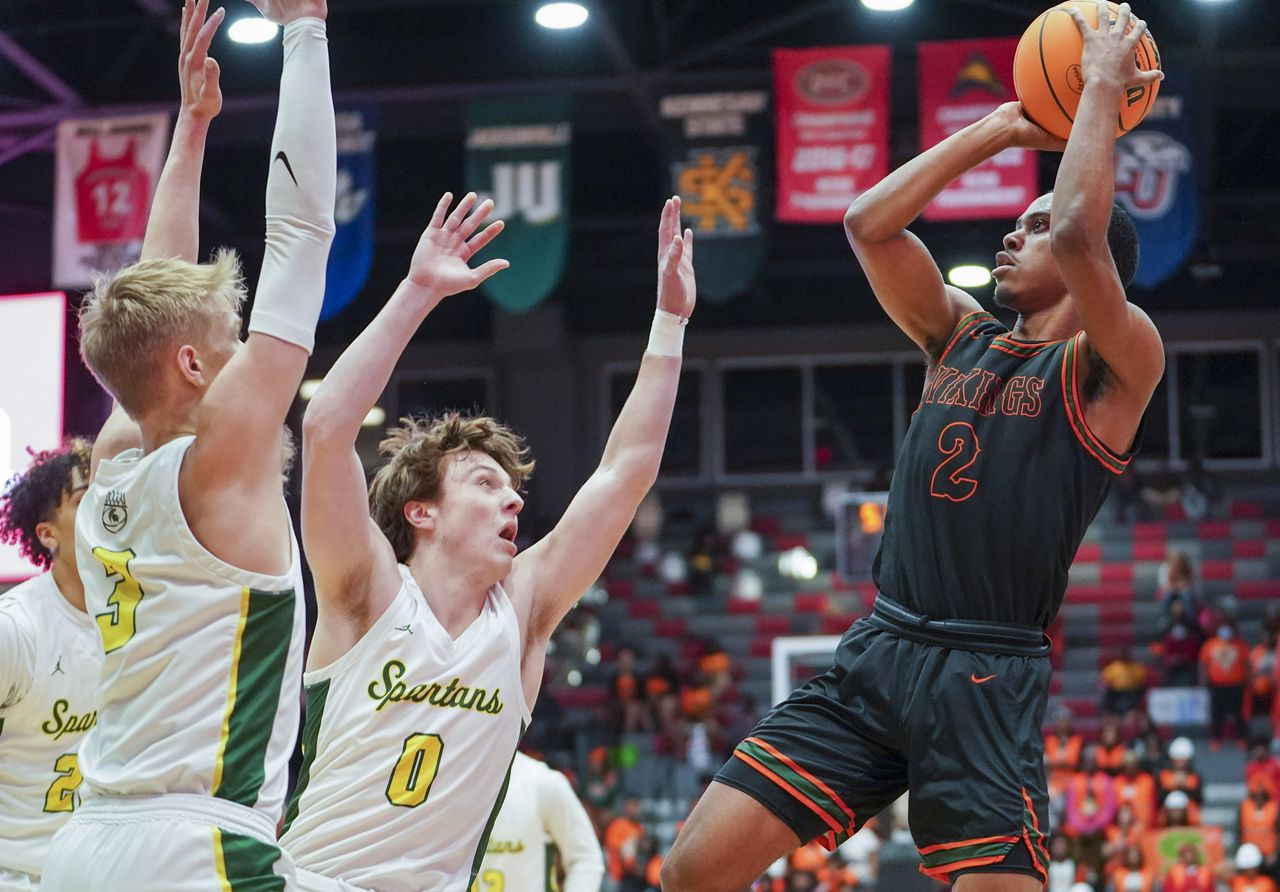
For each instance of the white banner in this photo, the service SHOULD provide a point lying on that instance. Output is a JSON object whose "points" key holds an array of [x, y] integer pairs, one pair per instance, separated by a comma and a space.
{"points": [[1178, 706], [107, 171]]}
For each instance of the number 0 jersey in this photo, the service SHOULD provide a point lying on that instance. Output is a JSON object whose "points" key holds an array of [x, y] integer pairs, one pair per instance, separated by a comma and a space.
{"points": [[199, 690], [407, 749], [997, 481], [50, 653]]}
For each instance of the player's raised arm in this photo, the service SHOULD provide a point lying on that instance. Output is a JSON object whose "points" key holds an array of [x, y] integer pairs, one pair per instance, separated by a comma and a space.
{"points": [[239, 420], [348, 554], [569, 826], [1117, 331], [173, 226], [903, 274], [557, 570]]}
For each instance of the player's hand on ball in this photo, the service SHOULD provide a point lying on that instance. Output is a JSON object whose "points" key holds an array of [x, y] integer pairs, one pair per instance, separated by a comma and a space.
{"points": [[440, 262], [282, 12], [1109, 49], [198, 72], [1025, 133], [677, 286]]}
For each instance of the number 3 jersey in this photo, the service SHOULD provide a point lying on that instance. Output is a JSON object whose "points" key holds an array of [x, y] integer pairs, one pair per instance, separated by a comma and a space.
{"points": [[407, 749], [199, 690], [996, 483], [50, 653]]}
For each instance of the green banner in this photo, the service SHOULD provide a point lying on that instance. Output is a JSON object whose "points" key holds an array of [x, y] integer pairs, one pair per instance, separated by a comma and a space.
{"points": [[716, 145], [518, 155]]}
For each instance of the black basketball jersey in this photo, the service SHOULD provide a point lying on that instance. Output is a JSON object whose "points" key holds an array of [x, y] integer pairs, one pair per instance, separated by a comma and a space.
{"points": [[998, 478]]}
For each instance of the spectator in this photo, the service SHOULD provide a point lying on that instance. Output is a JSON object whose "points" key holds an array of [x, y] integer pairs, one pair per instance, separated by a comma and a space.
{"points": [[1091, 807], [1176, 582], [1150, 750], [1180, 640], [1125, 831], [1260, 698], [1224, 661], [839, 875], [716, 667], [1200, 491], [705, 559], [621, 843], [1133, 875], [1110, 750], [1262, 767], [631, 712], [1187, 874], [1181, 774], [862, 851], [1125, 681], [1248, 876], [1259, 817], [1062, 748], [1177, 811], [1136, 789], [1062, 867], [600, 786]]}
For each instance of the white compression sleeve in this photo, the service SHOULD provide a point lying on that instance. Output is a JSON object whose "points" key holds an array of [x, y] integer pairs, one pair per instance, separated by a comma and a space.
{"points": [[301, 191]]}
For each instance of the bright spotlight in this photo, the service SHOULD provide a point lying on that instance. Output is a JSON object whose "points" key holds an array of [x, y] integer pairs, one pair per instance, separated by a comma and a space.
{"points": [[561, 16], [377, 415], [309, 388], [887, 5], [969, 275], [252, 29]]}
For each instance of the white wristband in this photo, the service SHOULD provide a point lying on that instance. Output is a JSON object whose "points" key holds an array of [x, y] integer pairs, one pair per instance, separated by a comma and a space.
{"points": [[666, 338]]}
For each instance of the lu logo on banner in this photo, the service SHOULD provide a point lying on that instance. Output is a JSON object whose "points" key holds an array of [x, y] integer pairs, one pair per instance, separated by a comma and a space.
{"points": [[1157, 181], [351, 256], [714, 147], [518, 155]]}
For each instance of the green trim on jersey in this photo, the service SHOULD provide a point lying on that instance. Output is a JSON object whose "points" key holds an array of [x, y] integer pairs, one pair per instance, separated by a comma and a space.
{"points": [[493, 815], [551, 853], [259, 674], [245, 864], [316, 696]]}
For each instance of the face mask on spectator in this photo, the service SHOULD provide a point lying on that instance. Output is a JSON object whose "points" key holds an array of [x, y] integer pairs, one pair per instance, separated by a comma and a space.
{"points": [[1224, 632]]}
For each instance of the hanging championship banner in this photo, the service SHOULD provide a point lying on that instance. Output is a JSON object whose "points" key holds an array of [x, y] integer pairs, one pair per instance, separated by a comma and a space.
{"points": [[518, 155], [1157, 180], [962, 81], [106, 174], [833, 128], [715, 151], [352, 253]]}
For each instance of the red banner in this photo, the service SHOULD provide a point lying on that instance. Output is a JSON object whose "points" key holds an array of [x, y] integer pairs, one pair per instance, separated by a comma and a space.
{"points": [[960, 82], [833, 128]]}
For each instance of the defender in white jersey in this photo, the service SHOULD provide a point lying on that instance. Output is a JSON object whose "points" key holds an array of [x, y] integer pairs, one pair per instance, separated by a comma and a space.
{"points": [[429, 644], [185, 544], [50, 653], [540, 816]]}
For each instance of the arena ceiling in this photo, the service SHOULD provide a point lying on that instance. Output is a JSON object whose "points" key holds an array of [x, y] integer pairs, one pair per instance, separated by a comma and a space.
{"points": [[422, 61]]}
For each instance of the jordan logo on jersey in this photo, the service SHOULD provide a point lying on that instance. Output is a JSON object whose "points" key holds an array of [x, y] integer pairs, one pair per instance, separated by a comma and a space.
{"points": [[454, 695], [115, 513], [57, 667], [64, 722]]}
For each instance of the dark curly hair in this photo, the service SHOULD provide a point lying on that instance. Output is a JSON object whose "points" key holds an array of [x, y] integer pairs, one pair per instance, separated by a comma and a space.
{"points": [[32, 497]]}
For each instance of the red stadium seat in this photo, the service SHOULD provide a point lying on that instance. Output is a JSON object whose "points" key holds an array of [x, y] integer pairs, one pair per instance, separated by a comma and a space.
{"points": [[773, 625], [742, 607], [1245, 510], [1089, 553], [1149, 532], [1148, 551], [1214, 529], [670, 626], [1249, 548], [643, 609], [1217, 569], [810, 602], [1117, 573], [1258, 589]]}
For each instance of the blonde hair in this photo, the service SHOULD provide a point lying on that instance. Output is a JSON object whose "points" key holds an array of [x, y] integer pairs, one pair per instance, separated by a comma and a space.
{"points": [[130, 319], [416, 453]]}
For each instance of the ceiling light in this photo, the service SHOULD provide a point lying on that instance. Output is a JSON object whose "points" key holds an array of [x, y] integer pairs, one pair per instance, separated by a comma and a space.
{"points": [[969, 275], [309, 388], [887, 5], [252, 29], [377, 415], [560, 16]]}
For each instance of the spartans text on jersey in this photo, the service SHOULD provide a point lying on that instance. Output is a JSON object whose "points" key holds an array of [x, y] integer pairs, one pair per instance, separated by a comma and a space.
{"points": [[390, 689], [62, 723]]}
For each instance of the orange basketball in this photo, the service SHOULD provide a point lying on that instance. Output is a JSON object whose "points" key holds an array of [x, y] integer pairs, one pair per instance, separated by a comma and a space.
{"points": [[1047, 76]]}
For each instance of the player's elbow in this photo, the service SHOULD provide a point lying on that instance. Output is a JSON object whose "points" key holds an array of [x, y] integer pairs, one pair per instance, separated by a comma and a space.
{"points": [[324, 422], [859, 222]]}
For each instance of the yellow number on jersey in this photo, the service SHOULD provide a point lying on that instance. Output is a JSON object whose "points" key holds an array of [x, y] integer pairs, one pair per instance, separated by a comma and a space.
{"points": [[62, 792], [493, 881], [415, 770], [117, 624]]}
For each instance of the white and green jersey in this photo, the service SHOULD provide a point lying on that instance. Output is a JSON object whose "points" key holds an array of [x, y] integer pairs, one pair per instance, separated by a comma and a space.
{"points": [[540, 816], [50, 654], [199, 691], [407, 748]]}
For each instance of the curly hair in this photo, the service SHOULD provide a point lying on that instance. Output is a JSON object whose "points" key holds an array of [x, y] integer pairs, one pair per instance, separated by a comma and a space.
{"points": [[416, 453], [32, 497]]}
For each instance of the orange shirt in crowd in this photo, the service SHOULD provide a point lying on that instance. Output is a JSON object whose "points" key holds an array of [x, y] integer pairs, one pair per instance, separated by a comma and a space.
{"points": [[620, 832], [1111, 758], [653, 872], [1262, 683], [624, 687], [715, 663], [1181, 879], [1252, 884], [1186, 781], [1121, 875], [1062, 754], [655, 686], [1258, 825], [1226, 663], [695, 703], [811, 857], [1265, 774], [1121, 676], [1139, 792]]}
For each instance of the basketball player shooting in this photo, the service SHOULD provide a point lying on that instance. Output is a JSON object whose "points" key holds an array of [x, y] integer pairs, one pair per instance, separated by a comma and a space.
{"points": [[184, 545], [432, 631], [1019, 435]]}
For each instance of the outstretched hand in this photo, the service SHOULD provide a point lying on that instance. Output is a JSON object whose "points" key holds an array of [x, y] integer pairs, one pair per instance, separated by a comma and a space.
{"points": [[677, 286], [1110, 47], [198, 72], [440, 262], [282, 12]]}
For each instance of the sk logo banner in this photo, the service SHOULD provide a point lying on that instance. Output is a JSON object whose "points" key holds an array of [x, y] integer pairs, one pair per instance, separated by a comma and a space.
{"points": [[721, 190]]}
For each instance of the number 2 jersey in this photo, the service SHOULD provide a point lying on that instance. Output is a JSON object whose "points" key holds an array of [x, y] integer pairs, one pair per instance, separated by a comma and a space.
{"points": [[996, 483], [407, 749], [199, 690], [50, 653]]}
